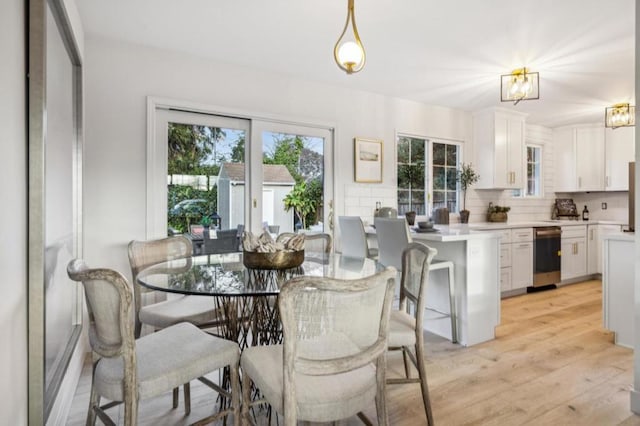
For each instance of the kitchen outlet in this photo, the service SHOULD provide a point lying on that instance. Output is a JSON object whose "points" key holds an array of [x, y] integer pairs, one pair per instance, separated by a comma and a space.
{"points": [[604, 206]]}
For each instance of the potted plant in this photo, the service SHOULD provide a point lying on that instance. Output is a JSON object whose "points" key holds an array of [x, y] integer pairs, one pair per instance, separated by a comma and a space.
{"points": [[497, 213], [466, 177]]}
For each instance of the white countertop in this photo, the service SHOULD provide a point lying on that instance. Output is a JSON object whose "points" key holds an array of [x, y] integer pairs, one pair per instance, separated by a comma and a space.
{"points": [[537, 223]]}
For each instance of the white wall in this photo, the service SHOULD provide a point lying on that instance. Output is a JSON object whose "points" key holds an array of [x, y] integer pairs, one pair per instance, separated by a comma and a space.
{"points": [[120, 76], [13, 215]]}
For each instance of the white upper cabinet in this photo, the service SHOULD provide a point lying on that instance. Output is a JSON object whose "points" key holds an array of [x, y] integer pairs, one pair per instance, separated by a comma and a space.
{"points": [[498, 137], [579, 158], [619, 147]]}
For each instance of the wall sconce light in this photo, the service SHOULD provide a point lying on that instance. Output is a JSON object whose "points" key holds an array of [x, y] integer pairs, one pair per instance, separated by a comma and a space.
{"points": [[520, 85], [348, 51], [620, 115]]}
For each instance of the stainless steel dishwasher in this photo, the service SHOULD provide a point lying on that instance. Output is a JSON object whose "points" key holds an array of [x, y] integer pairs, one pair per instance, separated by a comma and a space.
{"points": [[546, 255]]}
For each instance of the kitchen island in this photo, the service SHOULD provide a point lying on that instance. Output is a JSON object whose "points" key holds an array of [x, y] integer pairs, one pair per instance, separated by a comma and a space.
{"points": [[618, 276], [476, 259]]}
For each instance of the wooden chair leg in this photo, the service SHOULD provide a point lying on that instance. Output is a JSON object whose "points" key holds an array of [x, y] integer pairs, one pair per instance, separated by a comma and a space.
{"points": [[381, 397], [405, 358], [246, 397], [176, 395], [94, 401], [187, 398], [235, 393], [423, 382]]}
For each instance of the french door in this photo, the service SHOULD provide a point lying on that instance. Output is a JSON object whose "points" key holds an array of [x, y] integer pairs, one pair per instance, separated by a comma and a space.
{"points": [[237, 171]]}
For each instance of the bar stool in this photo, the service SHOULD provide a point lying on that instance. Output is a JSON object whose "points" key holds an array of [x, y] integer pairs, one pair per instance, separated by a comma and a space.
{"points": [[393, 237]]}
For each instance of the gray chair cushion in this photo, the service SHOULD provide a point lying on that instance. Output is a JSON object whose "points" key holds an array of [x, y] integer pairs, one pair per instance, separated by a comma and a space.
{"points": [[402, 329], [167, 359], [320, 398], [193, 309]]}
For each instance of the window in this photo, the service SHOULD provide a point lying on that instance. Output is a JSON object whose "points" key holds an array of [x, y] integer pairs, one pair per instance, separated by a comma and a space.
{"points": [[411, 175], [533, 187], [445, 185], [534, 171], [418, 177]]}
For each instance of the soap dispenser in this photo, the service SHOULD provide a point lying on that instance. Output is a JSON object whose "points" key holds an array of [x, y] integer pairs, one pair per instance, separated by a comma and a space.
{"points": [[585, 213]]}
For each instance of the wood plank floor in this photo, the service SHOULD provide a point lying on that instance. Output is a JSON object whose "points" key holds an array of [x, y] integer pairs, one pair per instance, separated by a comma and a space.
{"points": [[552, 363]]}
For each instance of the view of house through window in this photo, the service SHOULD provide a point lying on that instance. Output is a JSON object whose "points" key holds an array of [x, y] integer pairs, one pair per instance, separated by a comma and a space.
{"points": [[293, 181], [418, 177], [196, 155]]}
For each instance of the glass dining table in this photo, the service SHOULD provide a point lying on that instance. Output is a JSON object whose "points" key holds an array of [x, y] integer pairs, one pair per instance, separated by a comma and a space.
{"points": [[246, 299]]}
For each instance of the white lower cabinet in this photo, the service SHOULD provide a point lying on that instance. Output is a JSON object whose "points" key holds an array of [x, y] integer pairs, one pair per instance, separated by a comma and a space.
{"points": [[574, 252], [516, 258], [595, 237], [521, 265]]}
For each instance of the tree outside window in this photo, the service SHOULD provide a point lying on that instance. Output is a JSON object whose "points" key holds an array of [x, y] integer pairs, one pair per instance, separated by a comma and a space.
{"points": [[413, 175]]}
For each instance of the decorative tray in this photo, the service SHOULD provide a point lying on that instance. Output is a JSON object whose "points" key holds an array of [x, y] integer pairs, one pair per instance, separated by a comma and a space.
{"points": [[426, 231]]}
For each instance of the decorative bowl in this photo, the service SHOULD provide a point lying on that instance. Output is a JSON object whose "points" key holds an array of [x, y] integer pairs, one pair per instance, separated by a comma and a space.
{"points": [[275, 260], [425, 225]]}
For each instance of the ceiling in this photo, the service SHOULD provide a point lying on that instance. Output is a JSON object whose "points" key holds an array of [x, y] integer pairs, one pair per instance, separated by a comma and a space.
{"points": [[449, 53]]}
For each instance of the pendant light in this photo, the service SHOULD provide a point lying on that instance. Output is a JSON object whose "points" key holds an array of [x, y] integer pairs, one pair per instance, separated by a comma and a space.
{"points": [[348, 51]]}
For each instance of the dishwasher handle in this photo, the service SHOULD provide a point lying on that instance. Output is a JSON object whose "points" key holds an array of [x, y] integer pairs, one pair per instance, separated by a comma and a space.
{"points": [[548, 233]]}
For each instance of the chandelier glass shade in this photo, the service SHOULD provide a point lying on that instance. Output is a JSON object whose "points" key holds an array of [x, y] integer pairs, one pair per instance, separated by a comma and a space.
{"points": [[520, 85], [620, 115]]}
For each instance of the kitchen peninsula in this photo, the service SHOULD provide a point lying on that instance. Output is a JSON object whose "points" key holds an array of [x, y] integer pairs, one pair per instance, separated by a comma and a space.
{"points": [[476, 258]]}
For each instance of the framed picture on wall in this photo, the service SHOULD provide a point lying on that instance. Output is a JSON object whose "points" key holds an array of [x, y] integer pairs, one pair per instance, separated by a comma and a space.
{"points": [[368, 160]]}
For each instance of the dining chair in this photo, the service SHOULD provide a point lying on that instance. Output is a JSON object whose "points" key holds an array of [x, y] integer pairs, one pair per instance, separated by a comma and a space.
{"points": [[354, 239], [313, 243], [126, 370], [198, 310], [405, 325], [226, 241], [393, 237], [332, 362]]}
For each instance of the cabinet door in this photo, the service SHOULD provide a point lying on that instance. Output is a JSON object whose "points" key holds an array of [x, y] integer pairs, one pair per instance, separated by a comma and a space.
{"points": [[619, 147], [505, 279], [602, 231], [564, 160], [589, 154], [501, 153], [581, 257], [516, 153], [568, 260], [522, 265]]}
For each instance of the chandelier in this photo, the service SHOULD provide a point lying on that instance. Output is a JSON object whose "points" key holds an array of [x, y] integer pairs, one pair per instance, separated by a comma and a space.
{"points": [[348, 51], [520, 85]]}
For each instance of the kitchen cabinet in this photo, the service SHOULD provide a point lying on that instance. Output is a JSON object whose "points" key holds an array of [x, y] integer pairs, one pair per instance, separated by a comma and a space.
{"points": [[595, 235], [579, 154], [592, 158], [619, 151], [618, 287], [516, 258], [498, 137], [574, 252]]}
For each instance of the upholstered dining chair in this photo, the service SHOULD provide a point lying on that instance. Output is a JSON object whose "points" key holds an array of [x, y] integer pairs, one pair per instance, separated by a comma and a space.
{"points": [[331, 364], [126, 370], [393, 237], [316, 242], [405, 325], [198, 310], [354, 239]]}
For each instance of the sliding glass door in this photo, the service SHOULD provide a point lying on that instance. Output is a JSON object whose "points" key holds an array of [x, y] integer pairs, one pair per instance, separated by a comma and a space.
{"points": [[237, 171], [204, 171], [296, 188]]}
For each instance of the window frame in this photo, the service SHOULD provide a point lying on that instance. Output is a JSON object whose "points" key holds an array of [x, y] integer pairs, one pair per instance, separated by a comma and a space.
{"points": [[428, 178], [523, 192]]}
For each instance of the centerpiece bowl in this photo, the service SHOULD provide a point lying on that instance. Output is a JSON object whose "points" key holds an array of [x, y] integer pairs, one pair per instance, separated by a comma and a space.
{"points": [[274, 260]]}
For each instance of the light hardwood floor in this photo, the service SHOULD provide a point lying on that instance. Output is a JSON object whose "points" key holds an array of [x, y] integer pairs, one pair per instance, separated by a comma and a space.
{"points": [[552, 363]]}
